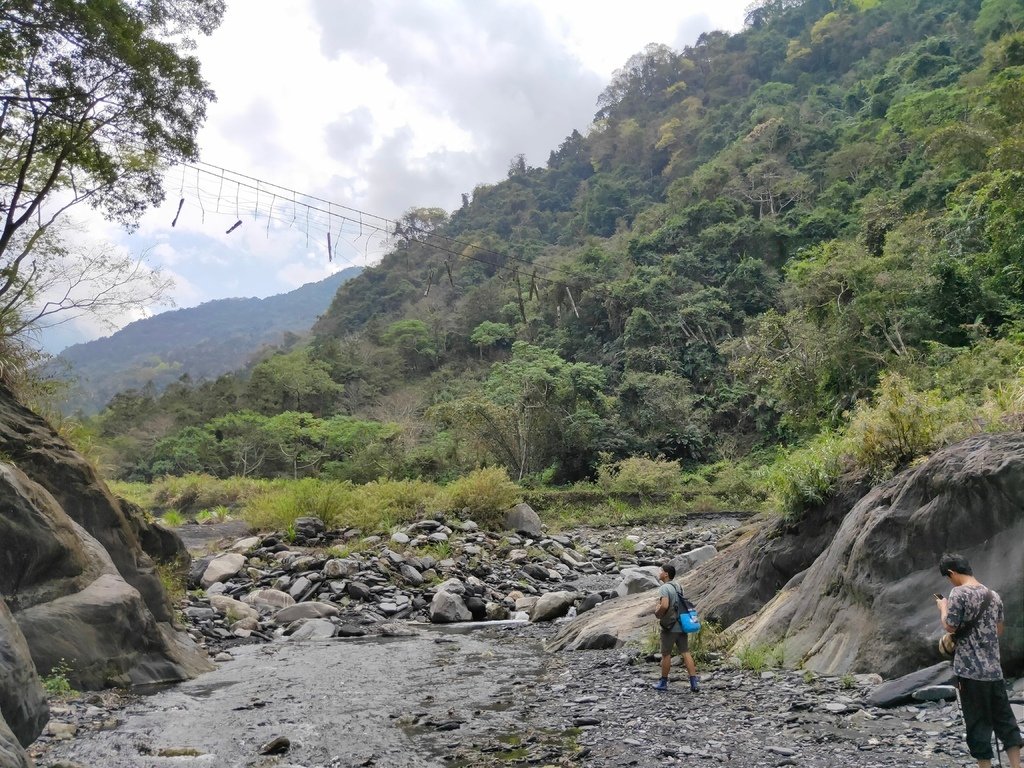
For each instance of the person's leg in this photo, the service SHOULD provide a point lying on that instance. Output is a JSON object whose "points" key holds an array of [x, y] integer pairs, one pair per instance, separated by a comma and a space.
{"points": [[974, 701], [667, 641], [691, 668], [1004, 723]]}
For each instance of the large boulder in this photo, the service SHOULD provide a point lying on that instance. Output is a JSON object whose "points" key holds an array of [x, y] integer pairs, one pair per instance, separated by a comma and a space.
{"points": [[22, 698], [757, 560], [522, 519], [633, 580], [48, 460], [92, 601], [865, 604], [447, 608], [11, 753], [624, 619], [553, 605]]}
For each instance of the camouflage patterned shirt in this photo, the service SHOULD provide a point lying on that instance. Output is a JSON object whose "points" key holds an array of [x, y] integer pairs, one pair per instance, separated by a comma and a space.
{"points": [[977, 652]]}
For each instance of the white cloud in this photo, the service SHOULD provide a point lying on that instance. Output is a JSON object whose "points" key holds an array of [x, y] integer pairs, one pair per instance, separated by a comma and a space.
{"points": [[382, 106]]}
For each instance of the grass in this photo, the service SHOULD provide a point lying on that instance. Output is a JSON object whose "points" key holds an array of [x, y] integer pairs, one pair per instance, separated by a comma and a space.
{"points": [[758, 658], [57, 683], [172, 518]]}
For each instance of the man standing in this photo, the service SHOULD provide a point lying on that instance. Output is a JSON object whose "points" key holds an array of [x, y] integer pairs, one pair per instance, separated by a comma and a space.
{"points": [[668, 608], [979, 673]]}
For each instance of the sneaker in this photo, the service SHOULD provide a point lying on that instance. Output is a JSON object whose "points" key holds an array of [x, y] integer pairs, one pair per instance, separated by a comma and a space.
{"points": [[661, 685], [695, 684]]}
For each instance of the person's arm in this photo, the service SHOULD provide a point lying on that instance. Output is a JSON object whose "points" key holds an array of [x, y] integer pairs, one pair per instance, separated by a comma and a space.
{"points": [[951, 612], [661, 608], [999, 629]]}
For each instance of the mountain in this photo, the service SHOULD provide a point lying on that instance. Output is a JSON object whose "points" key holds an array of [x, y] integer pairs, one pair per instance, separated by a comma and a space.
{"points": [[200, 342]]}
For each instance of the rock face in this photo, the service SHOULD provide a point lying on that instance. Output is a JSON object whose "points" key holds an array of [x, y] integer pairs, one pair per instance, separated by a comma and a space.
{"points": [[22, 698], [73, 570], [11, 753], [865, 604], [761, 559]]}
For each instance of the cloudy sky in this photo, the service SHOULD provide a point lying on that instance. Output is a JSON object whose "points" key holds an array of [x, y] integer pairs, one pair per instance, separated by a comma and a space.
{"points": [[379, 106]]}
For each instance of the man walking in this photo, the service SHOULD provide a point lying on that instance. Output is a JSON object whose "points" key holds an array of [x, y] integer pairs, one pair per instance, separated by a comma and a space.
{"points": [[975, 614], [668, 608]]}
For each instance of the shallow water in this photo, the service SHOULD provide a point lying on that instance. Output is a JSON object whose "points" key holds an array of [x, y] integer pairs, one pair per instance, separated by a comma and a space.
{"points": [[383, 701]]}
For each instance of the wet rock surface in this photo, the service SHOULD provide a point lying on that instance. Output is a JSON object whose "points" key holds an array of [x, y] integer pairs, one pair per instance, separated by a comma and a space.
{"points": [[489, 697]]}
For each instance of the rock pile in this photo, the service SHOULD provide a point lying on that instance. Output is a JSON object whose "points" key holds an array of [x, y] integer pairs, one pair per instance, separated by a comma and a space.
{"points": [[319, 583]]}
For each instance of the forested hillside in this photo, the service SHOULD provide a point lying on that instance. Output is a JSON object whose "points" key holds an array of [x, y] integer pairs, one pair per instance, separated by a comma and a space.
{"points": [[199, 342], [808, 234]]}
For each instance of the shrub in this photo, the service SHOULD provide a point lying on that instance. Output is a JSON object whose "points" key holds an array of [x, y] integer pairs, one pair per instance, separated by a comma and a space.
{"points": [[806, 476], [57, 683], [758, 658], [903, 424], [333, 503], [487, 493], [710, 640], [639, 475], [173, 518]]}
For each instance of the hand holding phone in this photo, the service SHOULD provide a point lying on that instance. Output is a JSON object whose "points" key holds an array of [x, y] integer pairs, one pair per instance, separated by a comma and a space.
{"points": [[937, 596]]}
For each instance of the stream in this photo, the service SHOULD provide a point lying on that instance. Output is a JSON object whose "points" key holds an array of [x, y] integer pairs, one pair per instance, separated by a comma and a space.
{"points": [[398, 701]]}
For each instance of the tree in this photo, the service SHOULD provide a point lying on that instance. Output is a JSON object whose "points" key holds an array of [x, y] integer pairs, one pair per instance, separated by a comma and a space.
{"points": [[96, 100], [490, 334]]}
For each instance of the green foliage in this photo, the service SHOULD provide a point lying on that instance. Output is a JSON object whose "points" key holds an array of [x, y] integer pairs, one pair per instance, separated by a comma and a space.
{"points": [[57, 683], [710, 642], [172, 518], [805, 477], [903, 424], [758, 658], [486, 493], [641, 476]]}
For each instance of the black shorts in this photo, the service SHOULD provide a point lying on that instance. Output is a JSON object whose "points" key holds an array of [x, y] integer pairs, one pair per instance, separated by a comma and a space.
{"points": [[987, 710]]}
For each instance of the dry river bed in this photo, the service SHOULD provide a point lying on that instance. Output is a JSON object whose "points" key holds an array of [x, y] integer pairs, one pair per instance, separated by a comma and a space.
{"points": [[489, 697]]}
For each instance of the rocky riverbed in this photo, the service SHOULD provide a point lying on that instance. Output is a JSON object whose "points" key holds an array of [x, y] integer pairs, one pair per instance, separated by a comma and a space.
{"points": [[491, 697], [335, 649]]}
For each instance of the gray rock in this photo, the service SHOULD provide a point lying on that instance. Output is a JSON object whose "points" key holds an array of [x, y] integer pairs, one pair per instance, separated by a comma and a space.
{"points": [[448, 607], [312, 610], [340, 569], [222, 568], [901, 690], [690, 560], [22, 698], [968, 493], [410, 574], [314, 629], [400, 538], [359, 591], [11, 753], [935, 693], [269, 598], [495, 611], [552, 606], [234, 610], [590, 601], [524, 521], [636, 580], [599, 641], [455, 586]]}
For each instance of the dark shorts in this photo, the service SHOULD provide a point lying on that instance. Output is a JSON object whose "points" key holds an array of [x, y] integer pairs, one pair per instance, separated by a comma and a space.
{"points": [[680, 640], [987, 710]]}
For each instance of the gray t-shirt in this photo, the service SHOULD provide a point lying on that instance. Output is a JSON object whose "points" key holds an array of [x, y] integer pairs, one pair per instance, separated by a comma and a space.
{"points": [[977, 652]]}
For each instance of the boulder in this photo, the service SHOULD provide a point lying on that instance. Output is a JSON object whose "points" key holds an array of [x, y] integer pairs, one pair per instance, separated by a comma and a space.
{"points": [[757, 560], [11, 753], [234, 610], [523, 520], [599, 641], [448, 607], [690, 560], [72, 603], [22, 698], [553, 605], [313, 610], [222, 568], [626, 618], [269, 598], [314, 629], [900, 691], [50, 462], [865, 604], [340, 569], [104, 632], [638, 580]]}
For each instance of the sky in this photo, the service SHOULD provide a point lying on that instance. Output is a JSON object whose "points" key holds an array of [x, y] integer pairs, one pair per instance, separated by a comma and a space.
{"points": [[378, 106]]}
